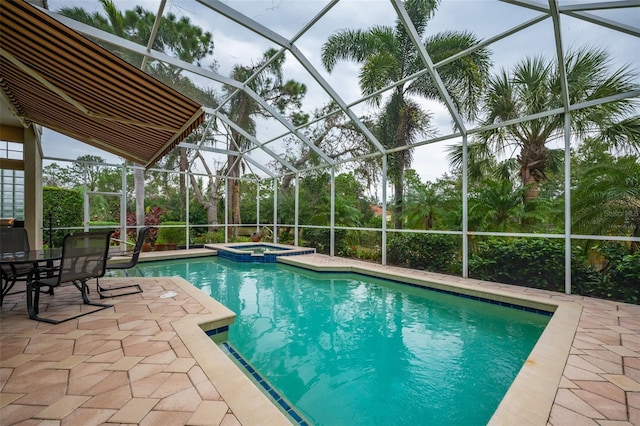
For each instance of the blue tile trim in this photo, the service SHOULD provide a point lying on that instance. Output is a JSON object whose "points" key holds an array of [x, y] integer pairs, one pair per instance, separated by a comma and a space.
{"points": [[480, 299], [267, 258], [453, 293], [290, 411], [218, 330]]}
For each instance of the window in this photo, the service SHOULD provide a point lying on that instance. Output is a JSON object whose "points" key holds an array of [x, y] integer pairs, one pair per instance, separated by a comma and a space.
{"points": [[11, 183]]}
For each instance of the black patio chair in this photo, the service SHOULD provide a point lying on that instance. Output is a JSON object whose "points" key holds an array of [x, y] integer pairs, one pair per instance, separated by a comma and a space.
{"points": [[105, 292], [13, 240], [84, 257]]}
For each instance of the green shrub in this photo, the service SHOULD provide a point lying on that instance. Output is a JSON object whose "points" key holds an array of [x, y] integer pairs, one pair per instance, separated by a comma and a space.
{"points": [[285, 236], [368, 253], [210, 237], [537, 263], [619, 273], [320, 239], [370, 239], [431, 252], [625, 273], [66, 209], [316, 238], [103, 224], [177, 235], [530, 262]]}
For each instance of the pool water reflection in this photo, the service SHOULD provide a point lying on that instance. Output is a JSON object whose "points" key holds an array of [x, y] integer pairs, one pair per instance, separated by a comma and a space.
{"points": [[352, 350]]}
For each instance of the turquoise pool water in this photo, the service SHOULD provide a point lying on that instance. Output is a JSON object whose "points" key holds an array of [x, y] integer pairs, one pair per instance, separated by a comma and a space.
{"points": [[345, 349]]}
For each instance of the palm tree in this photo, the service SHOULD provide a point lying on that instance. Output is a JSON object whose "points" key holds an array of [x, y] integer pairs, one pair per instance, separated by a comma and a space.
{"points": [[497, 206], [533, 87], [270, 85], [388, 55], [606, 198], [422, 202]]}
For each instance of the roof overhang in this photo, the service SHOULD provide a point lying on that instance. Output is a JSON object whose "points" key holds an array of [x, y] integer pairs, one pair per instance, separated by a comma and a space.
{"points": [[55, 77]]}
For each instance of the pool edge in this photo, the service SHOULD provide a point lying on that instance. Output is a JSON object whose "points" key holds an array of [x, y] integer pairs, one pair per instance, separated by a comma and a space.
{"points": [[244, 398], [530, 397], [235, 252]]}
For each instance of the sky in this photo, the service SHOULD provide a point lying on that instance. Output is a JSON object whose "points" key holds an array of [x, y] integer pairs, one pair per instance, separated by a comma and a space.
{"points": [[484, 18]]}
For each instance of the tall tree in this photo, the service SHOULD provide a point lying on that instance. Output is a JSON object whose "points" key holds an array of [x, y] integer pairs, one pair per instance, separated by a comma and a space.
{"points": [[208, 196], [336, 136], [387, 56], [55, 175], [269, 84], [176, 36], [534, 86], [87, 169]]}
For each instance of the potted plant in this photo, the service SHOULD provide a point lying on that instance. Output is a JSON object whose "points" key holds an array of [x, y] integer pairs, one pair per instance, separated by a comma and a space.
{"points": [[160, 245], [172, 234]]}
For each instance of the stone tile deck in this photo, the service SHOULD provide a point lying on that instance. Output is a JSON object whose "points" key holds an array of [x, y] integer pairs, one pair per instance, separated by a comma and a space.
{"points": [[147, 360], [144, 361]]}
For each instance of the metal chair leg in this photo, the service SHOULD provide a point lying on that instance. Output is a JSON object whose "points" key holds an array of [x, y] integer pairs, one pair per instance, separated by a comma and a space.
{"points": [[33, 302], [103, 295]]}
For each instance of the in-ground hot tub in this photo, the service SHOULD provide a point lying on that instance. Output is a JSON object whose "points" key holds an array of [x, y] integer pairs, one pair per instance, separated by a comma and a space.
{"points": [[258, 252]]}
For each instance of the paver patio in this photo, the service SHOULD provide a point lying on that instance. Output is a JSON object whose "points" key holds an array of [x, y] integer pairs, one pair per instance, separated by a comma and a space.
{"points": [[148, 361]]}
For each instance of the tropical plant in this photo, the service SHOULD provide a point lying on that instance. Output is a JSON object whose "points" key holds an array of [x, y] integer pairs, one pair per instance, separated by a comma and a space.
{"points": [[535, 86], [151, 218], [496, 205], [387, 56], [347, 210], [606, 198], [422, 202]]}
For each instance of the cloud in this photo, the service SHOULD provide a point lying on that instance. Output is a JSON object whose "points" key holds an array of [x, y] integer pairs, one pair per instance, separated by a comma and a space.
{"points": [[488, 18], [60, 146]]}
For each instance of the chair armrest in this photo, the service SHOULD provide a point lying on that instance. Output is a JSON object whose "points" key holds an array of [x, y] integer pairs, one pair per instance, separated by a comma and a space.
{"points": [[46, 271]]}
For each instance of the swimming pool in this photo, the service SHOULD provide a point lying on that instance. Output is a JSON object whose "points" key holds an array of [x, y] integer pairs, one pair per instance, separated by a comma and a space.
{"points": [[346, 349]]}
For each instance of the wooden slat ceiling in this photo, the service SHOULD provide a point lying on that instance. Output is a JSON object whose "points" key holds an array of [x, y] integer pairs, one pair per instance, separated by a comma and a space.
{"points": [[61, 80]]}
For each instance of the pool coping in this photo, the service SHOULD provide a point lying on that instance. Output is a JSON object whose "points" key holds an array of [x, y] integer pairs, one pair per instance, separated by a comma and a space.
{"points": [[232, 247], [249, 404]]}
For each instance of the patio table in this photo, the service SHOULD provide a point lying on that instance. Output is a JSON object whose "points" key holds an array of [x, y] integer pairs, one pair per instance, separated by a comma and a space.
{"points": [[40, 261]]}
